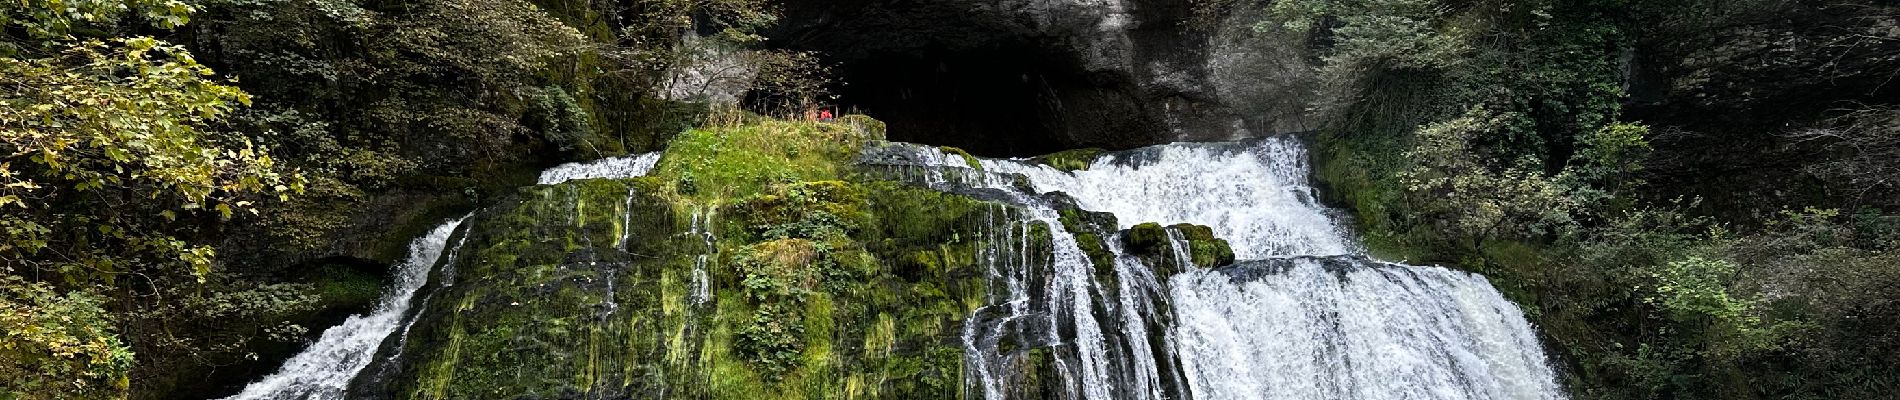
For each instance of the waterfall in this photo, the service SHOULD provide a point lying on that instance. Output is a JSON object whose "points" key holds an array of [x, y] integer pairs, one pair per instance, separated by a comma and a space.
{"points": [[1254, 194], [607, 168], [1098, 332], [324, 370], [1308, 318], [1352, 328], [1069, 307]]}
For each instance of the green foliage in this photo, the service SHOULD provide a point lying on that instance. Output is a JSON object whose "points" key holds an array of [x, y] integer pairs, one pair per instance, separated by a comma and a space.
{"points": [[824, 210], [777, 278], [1489, 135], [1610, 158], [129, 168], [114, 163], [1463, 198], [104, 126], [54, 20], [559, 118], [1406, 34], [807, 248], [58, 346], [810, 292], [1695, 291]]}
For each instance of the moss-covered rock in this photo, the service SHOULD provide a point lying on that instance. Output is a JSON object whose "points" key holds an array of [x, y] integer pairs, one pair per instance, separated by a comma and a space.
{"points": [[819, 285], [1088, 228], [1150, 242], [1205, 249], [968, 160], [1070, 160], [1146, 238]]}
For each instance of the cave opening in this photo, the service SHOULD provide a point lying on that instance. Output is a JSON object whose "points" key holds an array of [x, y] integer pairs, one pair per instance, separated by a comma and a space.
{"points": [[946, 73], [988, 101]]}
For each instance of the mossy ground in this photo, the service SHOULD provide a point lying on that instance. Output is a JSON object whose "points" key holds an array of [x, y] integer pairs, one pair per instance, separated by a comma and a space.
{"points": [[823, 284]]}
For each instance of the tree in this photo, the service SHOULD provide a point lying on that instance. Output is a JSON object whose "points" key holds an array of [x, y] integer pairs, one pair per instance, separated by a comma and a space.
{"points": [[110, 166]]}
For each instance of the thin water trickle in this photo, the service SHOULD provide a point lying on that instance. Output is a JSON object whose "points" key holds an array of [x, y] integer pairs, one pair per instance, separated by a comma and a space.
{"points": [[702, 283]]}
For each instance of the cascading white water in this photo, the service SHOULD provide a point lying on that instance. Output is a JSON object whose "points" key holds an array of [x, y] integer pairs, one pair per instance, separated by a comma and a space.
{"points": [[324, 370], [1003, 261], [1348, 328], [1088, 367], [1312, 321], [607, 168], [1360, 330], [1137, 299], [1075, 303], [1253, 194]]}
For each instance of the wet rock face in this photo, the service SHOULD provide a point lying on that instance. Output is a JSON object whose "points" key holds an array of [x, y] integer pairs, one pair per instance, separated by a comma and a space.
{"points": [[1016, 77]]}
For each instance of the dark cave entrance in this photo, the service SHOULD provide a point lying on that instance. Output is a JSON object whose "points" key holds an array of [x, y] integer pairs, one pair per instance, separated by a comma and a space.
{"points": [[953, 74], [991, 101]]}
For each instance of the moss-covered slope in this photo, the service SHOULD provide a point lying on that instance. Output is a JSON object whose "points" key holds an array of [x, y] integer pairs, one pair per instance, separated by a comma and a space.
{"points": [[821, 284]]}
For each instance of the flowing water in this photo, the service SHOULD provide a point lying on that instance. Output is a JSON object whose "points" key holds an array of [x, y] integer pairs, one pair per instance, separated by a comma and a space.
{"points": [[1351, 328], [324, 370], [1308, 319], [1254, 194], [606, 168]]}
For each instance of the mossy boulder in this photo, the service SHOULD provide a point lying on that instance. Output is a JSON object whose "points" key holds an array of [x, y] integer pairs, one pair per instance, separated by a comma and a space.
{"points": [[1205, 249], [1070, 160], [1146, 238], [1151, 243], [820, 283], [968, 160]]}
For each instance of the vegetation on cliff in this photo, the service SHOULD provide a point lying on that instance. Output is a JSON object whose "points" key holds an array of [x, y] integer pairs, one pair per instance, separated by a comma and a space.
{"points": [[1663, 185], [174, 171], [819, 282], [1693, 199]]}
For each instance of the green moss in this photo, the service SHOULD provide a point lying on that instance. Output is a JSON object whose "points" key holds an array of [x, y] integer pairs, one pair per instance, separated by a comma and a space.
{"points": [[1070, 160], [822, 281], [738, 161], [1206, 250], [1085, 225], [868, 128], [968, 159], [1146, 238]]}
